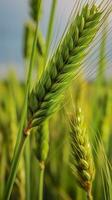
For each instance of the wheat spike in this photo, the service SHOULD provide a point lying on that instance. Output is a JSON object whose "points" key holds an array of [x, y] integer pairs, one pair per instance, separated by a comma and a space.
{"points": [[82, 161], [45, 97]]}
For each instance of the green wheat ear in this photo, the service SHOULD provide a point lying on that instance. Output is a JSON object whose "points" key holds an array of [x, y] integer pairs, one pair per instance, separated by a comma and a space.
{"points": [[82, 161], [45, 97]]}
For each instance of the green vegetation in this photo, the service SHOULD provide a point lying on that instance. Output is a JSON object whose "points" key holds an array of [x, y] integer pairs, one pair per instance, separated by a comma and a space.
{"points": [[56, 128]]}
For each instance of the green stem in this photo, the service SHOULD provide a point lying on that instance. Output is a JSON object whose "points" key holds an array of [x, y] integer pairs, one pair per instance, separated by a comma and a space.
{"points": [[50, 28], [41, 180], [19, 142], [14, 166], [27, 168]]}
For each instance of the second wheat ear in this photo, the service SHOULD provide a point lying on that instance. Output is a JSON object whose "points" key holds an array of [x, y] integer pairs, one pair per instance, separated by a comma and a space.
{"points": [[45, 97], [82, 161]]}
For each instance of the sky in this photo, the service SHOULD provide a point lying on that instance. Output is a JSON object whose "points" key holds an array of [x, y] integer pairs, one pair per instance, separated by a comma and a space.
{"points": [[13, 15]]}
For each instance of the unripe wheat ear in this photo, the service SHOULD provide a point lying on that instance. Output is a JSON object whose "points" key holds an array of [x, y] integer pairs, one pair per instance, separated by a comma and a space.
{"points": [[45, 97], [82, 163]]}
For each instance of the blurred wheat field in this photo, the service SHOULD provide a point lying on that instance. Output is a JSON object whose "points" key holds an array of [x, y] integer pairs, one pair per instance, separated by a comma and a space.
{"points": [[56, 124]]}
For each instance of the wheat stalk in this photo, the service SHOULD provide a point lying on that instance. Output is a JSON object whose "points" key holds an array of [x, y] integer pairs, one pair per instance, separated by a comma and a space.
{"points": [[45, 97], [82, 162]]}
